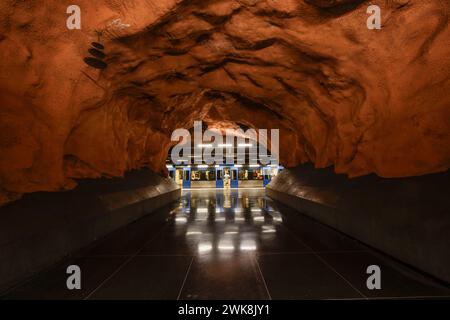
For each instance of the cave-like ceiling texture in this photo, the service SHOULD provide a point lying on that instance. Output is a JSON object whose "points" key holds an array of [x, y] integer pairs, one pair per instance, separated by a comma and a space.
{"points": [[365, 101]]}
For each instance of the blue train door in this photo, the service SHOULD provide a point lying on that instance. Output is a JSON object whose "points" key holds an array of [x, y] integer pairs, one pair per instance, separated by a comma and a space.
{"points": [[234, 178], [186, 178], [172, 173], [219, 177], [266, 176]]}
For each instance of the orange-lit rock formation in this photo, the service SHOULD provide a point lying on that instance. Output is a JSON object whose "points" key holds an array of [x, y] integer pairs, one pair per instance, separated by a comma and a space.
{"points": [[363, 100]]}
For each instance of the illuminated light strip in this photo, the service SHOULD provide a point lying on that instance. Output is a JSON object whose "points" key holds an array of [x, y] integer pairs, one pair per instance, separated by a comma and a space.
{"points": [[202, 145], [245, 145], [204, 189]]}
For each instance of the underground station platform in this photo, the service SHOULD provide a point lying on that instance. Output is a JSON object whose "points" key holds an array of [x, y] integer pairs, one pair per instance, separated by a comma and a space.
{"points": [[233, 244]]}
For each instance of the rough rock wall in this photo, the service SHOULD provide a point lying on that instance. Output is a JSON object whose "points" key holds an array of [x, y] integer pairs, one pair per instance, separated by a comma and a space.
{"points": [[363, 100]]}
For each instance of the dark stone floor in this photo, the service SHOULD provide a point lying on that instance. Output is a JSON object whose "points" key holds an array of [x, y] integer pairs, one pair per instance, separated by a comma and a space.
{"points": [[227, 245]]}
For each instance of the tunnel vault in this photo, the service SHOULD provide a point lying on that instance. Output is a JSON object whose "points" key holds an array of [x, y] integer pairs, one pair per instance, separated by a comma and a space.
{"points": [[364, 101]]}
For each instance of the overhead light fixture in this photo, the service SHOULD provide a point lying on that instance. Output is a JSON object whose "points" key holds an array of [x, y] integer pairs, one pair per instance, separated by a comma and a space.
{"points": [[202, 166], [222, 145], [202, 145], [254, 166], [245, 145]]}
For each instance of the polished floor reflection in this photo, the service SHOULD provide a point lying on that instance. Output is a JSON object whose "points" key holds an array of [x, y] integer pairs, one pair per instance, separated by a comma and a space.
{"points": [[227, 244]]}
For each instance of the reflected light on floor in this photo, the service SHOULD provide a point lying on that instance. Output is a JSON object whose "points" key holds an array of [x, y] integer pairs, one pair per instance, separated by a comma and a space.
{"points": [[226, 246], [193, 233], [204, 247], [248, 245], [181, 220], [268, 229]]}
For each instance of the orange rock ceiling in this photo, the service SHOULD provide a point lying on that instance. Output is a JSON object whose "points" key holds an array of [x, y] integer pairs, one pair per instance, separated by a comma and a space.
{"points": [[366, 101]]}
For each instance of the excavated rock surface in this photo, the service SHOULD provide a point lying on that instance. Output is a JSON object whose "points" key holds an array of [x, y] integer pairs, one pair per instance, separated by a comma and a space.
{"points": [[341, 94]]}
